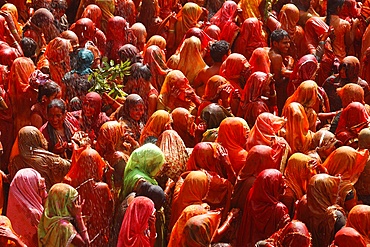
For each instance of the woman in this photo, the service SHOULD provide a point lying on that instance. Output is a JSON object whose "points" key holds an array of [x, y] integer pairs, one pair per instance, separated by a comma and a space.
{"points": [[236, 70], [157, 123], [263, 213], [184, 124], [258, 96], [149, 16], [358, 219], [143, 165], [139, 31], [250, 38], [47, 92], [232, 135], [94, 13], [346, 237], [30, 151], [25, 204], [259, 158], [348, 163], [59, 129], [190, 47], [155, 58], [63, 205], [155, 40], [177, 92], [260, 60], [8, 238], [211, 157], [298, 135], [138, 226], [318, 210], [325, 143], [214, 92], [12, 10], [86, 176]]}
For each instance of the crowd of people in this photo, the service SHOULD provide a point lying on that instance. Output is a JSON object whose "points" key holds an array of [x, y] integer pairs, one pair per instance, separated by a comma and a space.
{"points": [[245, 123]]}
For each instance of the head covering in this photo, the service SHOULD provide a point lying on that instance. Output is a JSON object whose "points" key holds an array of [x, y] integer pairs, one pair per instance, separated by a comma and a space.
{"points": [[184, 125], [135, 223], [226, 13], [306, 94], [85, 58], [200, 34], [84, 28], [42, 16], [144, 163], [12, 10], [348, 237], [129, 52], [95, 100], [305, 69], [232, 135], [156, 124], [351, 65], [155, 40], [153, 192], [233, 67], [25, 203], [213, 115], [155, 58], [359, 219], [260, 60], [351, 92], [213, 88], [314, 28], [213, 31], [288, 17], [263, 213], [72, 37], [55, 226], [94, 13], [139, 31]]}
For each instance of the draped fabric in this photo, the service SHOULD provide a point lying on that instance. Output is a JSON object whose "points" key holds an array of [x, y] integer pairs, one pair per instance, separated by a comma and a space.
{"points": [[348, 163], [233, 69], [30, 151], [232, 135], [260, 60], [250, 8], [211, 156], [176, 92], [298, 135], [135, 223], [250, 37], [201, 35], [183, 124], [213, 114], [25, 204], [347, 237], [143, 164], [107, 8], [213, 88], [155, 40], [263, 212], [94, 13], [13, 11], [314, 28], [55, 226], [288, 17], [359, 218], [85, 59], [156, 124], [259, 158], [155, 58]]}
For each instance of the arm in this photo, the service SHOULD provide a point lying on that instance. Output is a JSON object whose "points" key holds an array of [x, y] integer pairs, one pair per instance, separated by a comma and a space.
{"points": [[5, 232], [82, 237], [226, 225]]}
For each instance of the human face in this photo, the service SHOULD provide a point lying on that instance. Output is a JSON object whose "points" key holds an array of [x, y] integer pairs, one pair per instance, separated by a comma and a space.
{"points": [[88, 108], [136, 112], [42, 189], [283, 45], [56, 117]]}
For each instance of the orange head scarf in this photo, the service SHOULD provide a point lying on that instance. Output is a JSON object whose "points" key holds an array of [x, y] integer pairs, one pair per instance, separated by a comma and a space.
{"points": [[20, 71], [359, 219], [348, 237], [260, 60], [12, 10], [306, 94], [186, 19], [351, 92], [157, 123], [288, 17], [233, 67], [232, 135], [213, 88], [93, 12], [155, 40]]}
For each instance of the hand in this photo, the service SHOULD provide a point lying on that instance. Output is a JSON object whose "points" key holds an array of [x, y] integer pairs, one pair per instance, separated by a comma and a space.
{"points": [[76, 210], [60, 147], [172, 20], [5, 232], [225, 92], [151, 223], [236, 94], [170, 183], [234, 213]]}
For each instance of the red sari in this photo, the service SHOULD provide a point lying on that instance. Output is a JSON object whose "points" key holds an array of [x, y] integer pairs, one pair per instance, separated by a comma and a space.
{"points": [[359, 218], [348, 237], [234, 69]]}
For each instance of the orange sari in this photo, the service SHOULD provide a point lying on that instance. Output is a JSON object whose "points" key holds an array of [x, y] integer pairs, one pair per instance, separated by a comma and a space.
{"points": [[359, 219], [157, 123], [234, 69]]}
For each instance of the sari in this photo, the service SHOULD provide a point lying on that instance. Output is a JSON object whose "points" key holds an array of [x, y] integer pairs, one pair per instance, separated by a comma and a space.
{"points": [[213, 114], [183, 124], [191, 191], [205, 40], [191, 47], [260, 60], [187, 213], [298, 135], [305, 69], [155, 40], [30, 151], [213, 88], [176, 92], [200, 229], [127, 10], [250, 8], [259, 158], [143, 164], [25, 204], [94, 13], [358, 219], [139, 31], [351, 92], [250, 38], [155, 58], [156, 124], [12, 10], [251, 102], [107, 9], [315, 27], [234, 68], [55, 227], [347, 237], [135, 223], [351, 121], [7, 224], [212, 157], [263, 213], [318, 211], [348, 163], [86, 175], [232, 135]]}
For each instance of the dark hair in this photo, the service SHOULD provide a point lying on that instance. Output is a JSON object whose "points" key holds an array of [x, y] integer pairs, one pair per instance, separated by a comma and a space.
{"points": [[139, 70], [278, 35], [59, 4], [48, 89], [57, 103], [332, 9], [28, 46], [218, 50]]}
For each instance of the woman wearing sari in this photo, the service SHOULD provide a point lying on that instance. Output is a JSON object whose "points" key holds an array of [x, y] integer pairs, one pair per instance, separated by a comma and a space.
{"points": [[8, 237], [318, 209], [127, 10], [25, 204], [63, 205], [149, 16], [236, 70], [259, 158], [298, 135], [93, 12], [258, 96], [138, 226], [217, 91], [177, 92], [212, 157], [347, 237], [156, 125], [263, 213], [30, 151], [155, 58], [358, 219], [232, 135], [348, 163], [190, 47], [12, 10], [184, 124], [250, 38], [86, 176]]}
